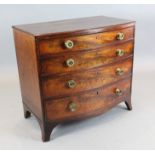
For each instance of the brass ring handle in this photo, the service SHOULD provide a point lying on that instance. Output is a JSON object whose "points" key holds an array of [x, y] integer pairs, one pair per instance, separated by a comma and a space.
{"points": [[71, 83], [69, 44], [70, 62], [72, 107], [120, 52], [120, 36], [118, 92], [119, 71]]}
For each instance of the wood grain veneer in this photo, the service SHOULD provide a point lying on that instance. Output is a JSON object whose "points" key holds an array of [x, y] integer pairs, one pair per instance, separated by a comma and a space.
{"points": [[74, 69]]}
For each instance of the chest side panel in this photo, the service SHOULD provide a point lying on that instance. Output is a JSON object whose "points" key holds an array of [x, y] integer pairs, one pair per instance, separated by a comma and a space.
{"points": [[28, 71]]}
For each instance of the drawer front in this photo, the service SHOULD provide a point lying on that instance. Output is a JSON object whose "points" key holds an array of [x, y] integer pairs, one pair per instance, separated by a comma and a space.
{"points": [[82, 81], [85, 42], [88, 103], [72, 62]]}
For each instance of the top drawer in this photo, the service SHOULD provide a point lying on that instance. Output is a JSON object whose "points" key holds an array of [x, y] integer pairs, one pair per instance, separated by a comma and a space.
{"points": [[72, 44]]}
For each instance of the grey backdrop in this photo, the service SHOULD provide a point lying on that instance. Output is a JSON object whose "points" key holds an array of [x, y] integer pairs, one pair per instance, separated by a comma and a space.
{"points": [[117, 129]]}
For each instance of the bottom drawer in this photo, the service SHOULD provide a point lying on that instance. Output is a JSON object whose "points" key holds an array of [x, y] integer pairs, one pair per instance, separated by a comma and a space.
{"points": [[89, 103]]}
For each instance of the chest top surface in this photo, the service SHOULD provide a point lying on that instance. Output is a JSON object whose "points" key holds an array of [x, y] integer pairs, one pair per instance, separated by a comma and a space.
{"points": [[72, 25]]}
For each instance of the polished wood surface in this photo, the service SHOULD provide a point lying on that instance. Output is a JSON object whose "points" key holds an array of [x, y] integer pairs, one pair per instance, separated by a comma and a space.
{"points": [[87, 80], [73, 25], [28, 71], [85, 42], [89, 102], [86, 60], [95, 80]]}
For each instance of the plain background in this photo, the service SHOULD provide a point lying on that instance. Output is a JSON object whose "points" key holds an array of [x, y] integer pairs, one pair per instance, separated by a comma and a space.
{"points": [[117, 129]]}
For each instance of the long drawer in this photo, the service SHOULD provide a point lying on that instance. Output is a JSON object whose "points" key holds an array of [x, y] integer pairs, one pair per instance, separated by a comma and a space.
{"points": [[85, 42], [66, 63], [88, 103], [81, 81]]}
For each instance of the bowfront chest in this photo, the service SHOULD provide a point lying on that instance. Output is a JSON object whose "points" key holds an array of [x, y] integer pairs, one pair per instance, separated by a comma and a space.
{"points": [[74, 69]]}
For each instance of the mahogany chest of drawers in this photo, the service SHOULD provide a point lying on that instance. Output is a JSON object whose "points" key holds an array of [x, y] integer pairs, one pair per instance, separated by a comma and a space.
{"points": [[74, 69]]}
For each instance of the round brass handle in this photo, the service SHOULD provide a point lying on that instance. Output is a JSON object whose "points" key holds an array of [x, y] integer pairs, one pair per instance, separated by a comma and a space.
{"points": [[119, 71], [119, 52], [69, 44], [118, 92], [120, 36], [72, 107], [70, 62], [71, 83]]}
